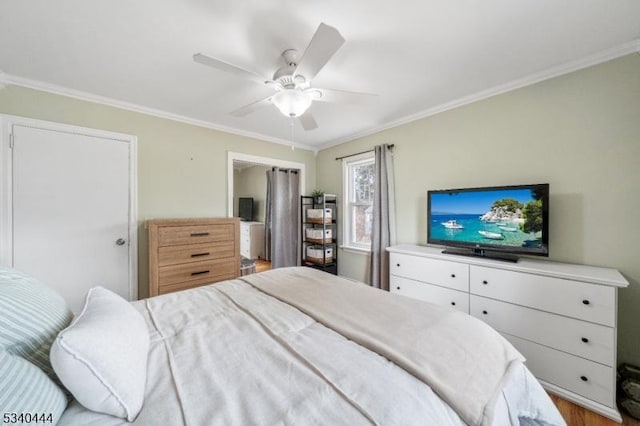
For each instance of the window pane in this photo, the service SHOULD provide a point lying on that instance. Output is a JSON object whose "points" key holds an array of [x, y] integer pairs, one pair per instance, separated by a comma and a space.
{"points": [[363, 177], [362, 221]]}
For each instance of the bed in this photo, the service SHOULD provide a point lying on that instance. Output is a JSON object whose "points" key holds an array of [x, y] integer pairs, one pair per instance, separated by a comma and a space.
{"points": [[289, 346]]}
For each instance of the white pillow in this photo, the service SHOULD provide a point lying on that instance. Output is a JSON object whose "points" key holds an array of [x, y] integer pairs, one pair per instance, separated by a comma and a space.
{"points": [[101, 357]]}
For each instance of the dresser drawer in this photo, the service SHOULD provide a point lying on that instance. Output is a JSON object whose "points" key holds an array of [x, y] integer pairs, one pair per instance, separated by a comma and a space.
{"points": [[205, 270], [590, 302], [587, 378], [173, 255], [430, 293], [194, 234], [585, 339], [192, 284], [440, 272]]}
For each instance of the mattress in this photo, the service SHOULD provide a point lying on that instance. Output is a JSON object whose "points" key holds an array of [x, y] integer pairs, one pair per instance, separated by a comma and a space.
{"points": [[230, 354]]}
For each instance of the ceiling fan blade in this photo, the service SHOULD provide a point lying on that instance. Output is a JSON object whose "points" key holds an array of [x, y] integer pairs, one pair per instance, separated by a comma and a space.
{"points": [[343, 97], [227, 67], [325, 42], [254, 106], [307, 121]]}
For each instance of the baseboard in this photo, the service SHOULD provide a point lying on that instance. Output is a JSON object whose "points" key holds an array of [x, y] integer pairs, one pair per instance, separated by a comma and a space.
{"points": [[611, 413]]}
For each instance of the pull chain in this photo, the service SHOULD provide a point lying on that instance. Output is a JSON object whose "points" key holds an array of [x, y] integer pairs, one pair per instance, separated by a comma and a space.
{"points": [[292, 140]]}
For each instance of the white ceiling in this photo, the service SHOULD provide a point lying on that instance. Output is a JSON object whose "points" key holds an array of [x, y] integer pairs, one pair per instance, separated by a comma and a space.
{"points": [[419, 56]]}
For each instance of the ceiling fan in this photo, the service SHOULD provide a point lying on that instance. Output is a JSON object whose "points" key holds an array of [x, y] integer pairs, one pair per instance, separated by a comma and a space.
{"points": [[292, 82]]}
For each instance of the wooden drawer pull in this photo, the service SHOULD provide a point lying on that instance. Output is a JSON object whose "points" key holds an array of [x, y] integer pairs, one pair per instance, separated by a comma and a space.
{"points": [[199, 234], [200, 272], [200, 254]]}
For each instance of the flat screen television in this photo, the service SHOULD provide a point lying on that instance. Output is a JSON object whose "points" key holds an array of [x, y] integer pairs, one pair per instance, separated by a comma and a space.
{"points": [[245, 208], [499, 221]]}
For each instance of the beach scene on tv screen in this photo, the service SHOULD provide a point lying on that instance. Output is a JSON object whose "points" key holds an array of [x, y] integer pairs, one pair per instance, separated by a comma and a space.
{"points": [[508, 217]]}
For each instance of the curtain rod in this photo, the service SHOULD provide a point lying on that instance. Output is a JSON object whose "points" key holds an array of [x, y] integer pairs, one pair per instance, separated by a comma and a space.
{"points": [[358, 153], [273, 169]]}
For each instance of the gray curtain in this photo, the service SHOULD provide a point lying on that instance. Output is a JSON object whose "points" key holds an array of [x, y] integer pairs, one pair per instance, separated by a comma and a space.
{"points": [[282, 217], [384, 222]]}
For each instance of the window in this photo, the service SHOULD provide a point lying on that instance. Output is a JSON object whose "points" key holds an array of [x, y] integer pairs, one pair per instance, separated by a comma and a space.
{"points": [[358, 176]]}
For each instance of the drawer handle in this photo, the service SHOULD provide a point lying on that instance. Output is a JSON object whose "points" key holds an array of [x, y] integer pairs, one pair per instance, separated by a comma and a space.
{"points": [[584, 378], [200, 254], [585, 340], [485, 282], [200, 272], [485, 312], [199, 234], [398, 288], [585, 302], [453, 275], [398, 265], [453, 303]]}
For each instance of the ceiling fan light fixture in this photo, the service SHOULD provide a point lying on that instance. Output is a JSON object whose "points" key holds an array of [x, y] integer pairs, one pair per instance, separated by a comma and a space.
{"points": [[292, 102]]}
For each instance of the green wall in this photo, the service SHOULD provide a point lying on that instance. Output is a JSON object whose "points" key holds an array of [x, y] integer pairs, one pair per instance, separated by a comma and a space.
{"points": [[182, 169], [579, 132]]}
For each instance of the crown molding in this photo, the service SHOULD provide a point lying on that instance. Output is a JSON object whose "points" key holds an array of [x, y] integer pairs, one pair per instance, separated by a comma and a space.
{"points": [[8, 79], [566, 68]]}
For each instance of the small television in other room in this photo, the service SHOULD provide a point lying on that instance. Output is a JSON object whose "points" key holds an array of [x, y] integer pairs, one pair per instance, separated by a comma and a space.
{"points": [[245, 208], [496, 221]]}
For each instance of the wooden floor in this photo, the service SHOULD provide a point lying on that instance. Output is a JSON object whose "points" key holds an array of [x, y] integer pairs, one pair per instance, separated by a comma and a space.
{"points": [[262, 265], [578, 416]]}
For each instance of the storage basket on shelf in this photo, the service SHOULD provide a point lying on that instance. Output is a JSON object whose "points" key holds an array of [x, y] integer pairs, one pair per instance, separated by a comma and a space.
{"points": [[319, 255], [318, 235], [316, 215]]}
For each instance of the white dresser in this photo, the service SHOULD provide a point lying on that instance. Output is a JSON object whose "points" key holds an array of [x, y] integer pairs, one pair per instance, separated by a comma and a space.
{"points": [[252, 240], [561, 317]]}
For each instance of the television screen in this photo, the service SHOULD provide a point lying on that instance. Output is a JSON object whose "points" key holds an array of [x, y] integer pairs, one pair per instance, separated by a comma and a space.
{"points": [[510, 219], [245, 208]]}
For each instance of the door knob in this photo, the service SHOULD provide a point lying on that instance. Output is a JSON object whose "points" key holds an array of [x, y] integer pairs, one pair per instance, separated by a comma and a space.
{"points": [[120, 241]]}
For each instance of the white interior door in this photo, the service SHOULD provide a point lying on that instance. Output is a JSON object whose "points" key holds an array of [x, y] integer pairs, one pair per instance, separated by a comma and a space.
{"points": [[71, 207]]}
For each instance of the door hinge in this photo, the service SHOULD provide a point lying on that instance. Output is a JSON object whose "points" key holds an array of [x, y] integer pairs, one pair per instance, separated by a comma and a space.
{"points": [[10, 140]]}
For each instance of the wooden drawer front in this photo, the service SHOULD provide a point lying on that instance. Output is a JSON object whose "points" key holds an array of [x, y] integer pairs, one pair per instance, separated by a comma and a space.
{"points": [[173, 255], [567, 371], [440, 272], [194, 283], [194, 234], [590, 302], [206, 270], [430, 293], [559, 332]]}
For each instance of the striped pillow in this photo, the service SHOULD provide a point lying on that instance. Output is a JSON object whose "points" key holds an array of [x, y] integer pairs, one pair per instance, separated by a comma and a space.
{"points": [[27, 391], [31, 315]]}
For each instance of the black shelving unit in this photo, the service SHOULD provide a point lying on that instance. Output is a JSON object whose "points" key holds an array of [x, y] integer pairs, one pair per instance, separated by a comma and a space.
{"points": [[320, 232]]}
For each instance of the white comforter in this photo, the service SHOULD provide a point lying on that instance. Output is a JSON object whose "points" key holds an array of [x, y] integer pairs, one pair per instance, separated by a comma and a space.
{"points": [[229, 354]]}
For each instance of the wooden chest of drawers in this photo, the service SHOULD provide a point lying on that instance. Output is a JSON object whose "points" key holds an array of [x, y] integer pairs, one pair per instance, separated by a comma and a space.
{"points": [[186, 253]]}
